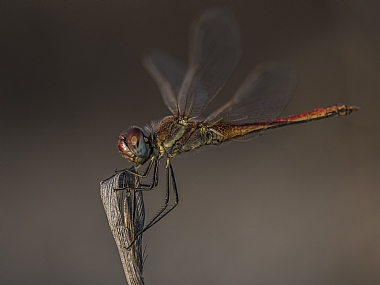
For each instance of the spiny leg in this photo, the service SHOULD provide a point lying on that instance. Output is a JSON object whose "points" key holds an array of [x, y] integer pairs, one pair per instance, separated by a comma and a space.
{"points": [[147, 170], [162, 213], [143, 187]]}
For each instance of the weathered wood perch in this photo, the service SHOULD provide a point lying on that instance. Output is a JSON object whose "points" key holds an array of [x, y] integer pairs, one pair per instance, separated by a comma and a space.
{"points": [[125, 213]]}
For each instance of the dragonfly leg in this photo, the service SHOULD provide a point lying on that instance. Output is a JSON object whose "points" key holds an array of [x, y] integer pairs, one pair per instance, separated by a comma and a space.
{"points": [[170, 180], [143, 187], [135, 173]]}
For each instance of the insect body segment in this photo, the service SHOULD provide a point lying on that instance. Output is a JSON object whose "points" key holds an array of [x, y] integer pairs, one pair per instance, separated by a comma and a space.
{"points": [[176, 135], [135, 145], [232, 131]]}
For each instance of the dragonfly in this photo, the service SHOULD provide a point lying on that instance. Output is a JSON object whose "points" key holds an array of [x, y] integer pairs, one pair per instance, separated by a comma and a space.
{"points": [[213, 55]]}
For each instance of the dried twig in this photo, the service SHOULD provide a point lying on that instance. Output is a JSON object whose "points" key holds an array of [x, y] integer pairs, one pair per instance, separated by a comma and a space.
{"points": [[125, 213]]}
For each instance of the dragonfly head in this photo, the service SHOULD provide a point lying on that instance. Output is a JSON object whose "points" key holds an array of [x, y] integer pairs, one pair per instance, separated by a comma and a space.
{"points": [[135, 145]]}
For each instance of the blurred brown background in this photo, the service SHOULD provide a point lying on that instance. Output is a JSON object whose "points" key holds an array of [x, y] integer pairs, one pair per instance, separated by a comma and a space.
{"points": [[298, 205]]}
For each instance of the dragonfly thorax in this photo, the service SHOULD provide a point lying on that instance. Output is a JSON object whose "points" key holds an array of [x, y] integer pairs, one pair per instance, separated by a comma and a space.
{"points": [[135, 144], [176, 134]]}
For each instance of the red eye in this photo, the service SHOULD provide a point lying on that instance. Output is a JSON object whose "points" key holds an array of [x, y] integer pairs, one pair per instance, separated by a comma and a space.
{"points": [[133, 146], [133, 138], [123, 147]]}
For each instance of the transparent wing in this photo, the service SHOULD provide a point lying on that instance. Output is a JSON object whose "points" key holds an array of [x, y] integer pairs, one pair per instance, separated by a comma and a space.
{"points": [[262, 97], [213, 55], [168, 74]]}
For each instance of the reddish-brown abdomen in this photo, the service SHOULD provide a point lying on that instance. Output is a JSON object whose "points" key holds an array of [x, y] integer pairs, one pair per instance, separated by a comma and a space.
{"points": [[230, 131]]}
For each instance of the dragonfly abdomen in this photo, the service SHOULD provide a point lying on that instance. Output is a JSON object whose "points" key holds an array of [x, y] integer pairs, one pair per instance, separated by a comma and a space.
{"points": [[226, 131], [313, 115]]}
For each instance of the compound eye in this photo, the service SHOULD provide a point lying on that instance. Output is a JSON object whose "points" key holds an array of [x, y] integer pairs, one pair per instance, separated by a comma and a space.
{"points": [[124, 149], [134, 145], [135, 141]]}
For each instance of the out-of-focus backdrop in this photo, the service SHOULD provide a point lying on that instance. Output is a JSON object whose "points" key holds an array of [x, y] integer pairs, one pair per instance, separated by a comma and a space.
{"points": [[300, 205]]}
